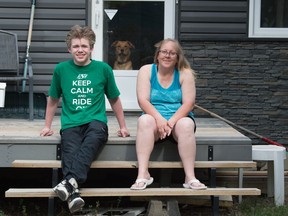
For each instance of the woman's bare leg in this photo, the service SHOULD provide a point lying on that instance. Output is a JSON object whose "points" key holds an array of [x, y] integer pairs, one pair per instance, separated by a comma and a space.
{"points": [[183, 133], [145, 139]]}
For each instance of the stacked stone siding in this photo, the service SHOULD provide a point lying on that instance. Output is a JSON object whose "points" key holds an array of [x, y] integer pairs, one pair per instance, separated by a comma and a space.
{"points": [[245, 82]]}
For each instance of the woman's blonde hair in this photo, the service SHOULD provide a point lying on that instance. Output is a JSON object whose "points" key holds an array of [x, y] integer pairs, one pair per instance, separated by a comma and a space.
{"points": [[81, 32]]}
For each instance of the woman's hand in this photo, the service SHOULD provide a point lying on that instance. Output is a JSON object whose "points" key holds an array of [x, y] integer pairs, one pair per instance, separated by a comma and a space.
{"points": [[163, 129]]}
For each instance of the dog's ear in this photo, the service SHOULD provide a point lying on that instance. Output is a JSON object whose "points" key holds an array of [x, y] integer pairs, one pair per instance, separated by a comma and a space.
{"points": [[114, 44], [130, 44]]}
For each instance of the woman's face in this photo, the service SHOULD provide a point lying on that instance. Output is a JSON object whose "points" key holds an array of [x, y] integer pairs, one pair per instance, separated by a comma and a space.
{"points": [[168, 56]]}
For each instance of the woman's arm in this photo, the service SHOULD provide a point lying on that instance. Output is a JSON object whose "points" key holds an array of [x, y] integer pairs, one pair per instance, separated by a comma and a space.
{"points": [[187, 82]]}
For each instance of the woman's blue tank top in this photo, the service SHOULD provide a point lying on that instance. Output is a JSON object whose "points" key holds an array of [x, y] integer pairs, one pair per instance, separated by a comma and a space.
{"points": [[166, 100]]}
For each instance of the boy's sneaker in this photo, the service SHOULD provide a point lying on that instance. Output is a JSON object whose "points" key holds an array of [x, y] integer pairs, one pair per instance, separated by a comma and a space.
{"points": [[65, 188], [75, 202]]}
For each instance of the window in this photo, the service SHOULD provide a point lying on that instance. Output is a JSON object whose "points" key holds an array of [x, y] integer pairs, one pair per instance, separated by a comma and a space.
{"points": [[268, 18]]}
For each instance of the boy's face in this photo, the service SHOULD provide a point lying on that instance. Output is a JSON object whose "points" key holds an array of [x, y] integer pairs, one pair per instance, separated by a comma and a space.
{"points": [[81, 51]]}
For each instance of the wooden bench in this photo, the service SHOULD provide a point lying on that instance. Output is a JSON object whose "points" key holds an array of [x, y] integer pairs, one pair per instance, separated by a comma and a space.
{"points": [[133, 164], [212, 191], [107, 192]]}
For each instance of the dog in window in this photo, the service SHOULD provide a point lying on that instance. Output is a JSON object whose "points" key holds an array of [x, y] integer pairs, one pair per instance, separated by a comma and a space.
{"points": [[122, 55]]}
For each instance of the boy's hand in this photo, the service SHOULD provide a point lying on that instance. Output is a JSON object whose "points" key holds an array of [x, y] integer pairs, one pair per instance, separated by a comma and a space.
{"points": [[46, 132], [123, 132]]}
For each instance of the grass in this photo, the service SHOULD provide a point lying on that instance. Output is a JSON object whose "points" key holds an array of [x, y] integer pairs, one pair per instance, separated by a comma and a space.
{"points": [[39, 207], [259, 206], [250, 206]]}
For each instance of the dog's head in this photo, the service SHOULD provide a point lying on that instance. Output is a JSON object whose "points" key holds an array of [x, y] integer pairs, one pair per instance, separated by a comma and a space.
{"points": [[122, 48]]}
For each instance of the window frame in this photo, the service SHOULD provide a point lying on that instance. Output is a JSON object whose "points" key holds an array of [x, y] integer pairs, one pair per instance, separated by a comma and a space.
{"points": [[255, 30]]}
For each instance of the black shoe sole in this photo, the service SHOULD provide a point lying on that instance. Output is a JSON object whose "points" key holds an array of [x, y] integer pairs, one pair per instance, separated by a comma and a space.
{"points": [[60, 194], [77, 206]]}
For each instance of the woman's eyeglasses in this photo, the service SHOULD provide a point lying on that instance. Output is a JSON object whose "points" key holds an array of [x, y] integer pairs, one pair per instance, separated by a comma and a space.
{"points": [[166, 53]]}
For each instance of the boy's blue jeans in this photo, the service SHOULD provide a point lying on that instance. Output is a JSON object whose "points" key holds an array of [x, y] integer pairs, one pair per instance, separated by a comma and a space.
{"points": [[79, 147]]}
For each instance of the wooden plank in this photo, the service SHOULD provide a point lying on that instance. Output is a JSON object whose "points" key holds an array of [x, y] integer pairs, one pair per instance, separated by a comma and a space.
{"points": [[53, 4], [204, 164], [213, 28], [57, 164], [108, 192], [247, 173], [220, 6], [224, 201], [54, 14], [133, 164], [213, 17]]}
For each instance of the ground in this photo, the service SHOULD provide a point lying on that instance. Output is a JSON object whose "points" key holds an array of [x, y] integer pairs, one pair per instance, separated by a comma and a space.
{"points": [[251, 206], [38, 207]]}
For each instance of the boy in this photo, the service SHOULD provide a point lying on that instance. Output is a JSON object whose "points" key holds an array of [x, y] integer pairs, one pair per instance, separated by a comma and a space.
{"points": [[82, 83]]}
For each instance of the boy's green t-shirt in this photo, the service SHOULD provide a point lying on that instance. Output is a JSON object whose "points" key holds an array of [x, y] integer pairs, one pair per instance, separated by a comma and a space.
{"points": [[83, 90]]}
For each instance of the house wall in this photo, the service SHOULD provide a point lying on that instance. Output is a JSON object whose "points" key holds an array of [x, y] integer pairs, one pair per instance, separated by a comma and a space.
{"points": [[212, 20], [243, 80]]}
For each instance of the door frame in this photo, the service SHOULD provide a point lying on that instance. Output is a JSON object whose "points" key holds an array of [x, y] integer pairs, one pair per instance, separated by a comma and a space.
{"points": [[126, 80]]}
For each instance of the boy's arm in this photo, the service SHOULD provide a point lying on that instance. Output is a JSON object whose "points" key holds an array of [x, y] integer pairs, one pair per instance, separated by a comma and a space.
{"points": [[116, 106], [51, 108]]}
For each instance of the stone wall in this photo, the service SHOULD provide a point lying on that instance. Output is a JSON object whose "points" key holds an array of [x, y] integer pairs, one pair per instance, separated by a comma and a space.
{"points": [[244, 82]]}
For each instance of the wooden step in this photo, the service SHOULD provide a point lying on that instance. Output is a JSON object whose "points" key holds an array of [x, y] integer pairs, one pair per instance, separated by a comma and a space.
{"points": [[107, 192], [133, 164], [247, 173]]}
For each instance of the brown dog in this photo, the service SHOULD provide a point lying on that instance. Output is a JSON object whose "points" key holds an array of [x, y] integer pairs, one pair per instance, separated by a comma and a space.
{"points": [[122, 55]]}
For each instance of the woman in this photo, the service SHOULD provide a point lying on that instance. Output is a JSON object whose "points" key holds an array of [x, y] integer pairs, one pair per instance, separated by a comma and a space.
{"points": [[166, 94]]}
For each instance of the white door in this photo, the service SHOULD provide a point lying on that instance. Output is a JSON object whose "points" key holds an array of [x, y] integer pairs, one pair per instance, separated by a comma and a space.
{"points": [[126, 32]]}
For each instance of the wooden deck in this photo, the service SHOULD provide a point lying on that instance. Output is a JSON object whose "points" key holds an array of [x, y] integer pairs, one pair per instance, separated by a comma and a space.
{"points": [[19, 139], [21, 131]]}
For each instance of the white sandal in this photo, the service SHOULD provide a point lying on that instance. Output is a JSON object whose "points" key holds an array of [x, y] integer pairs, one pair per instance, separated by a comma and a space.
{"points": [[189, 185], [146, 182]]}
